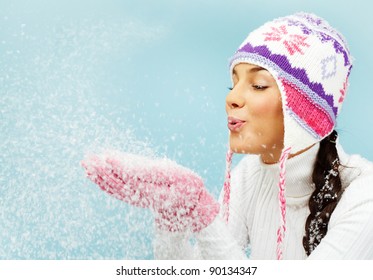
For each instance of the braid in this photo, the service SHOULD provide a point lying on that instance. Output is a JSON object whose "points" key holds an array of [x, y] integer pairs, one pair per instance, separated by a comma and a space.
{"points": [[328, 191]]}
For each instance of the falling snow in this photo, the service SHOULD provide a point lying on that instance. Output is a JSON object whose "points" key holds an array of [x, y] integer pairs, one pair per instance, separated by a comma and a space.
{"points": [[50, 118]]}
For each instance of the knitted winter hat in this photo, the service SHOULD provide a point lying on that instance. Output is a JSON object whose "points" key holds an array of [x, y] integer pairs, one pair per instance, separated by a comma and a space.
{"points": [[310, 62]]}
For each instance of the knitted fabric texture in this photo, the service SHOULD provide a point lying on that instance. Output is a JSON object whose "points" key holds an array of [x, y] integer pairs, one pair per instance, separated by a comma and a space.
{"points": [[311, 63]]}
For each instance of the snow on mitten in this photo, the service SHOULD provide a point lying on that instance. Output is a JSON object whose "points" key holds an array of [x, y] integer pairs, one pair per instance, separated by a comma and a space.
{"points": [[176, 194]]}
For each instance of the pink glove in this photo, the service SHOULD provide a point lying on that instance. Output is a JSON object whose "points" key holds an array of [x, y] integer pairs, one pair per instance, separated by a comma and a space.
{"points": [[175, 194]]}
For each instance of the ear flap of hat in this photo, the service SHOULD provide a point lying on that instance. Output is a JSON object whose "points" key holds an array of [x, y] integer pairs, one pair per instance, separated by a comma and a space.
{"points": [[305, 121]]}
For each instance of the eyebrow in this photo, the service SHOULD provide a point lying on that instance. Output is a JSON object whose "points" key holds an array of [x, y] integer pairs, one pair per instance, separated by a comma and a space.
{"points": [[252, 70]]}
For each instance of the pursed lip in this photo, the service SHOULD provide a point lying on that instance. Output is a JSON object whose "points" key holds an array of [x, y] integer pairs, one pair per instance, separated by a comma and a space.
{"points": [[235, 124]]}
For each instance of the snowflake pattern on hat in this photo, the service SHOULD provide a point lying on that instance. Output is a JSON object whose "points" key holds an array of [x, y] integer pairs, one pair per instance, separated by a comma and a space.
{"points": [[329, 67], [292, 42]]}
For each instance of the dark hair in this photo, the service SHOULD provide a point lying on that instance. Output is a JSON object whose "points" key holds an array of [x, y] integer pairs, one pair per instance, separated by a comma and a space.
{"points": [[328, 191]]}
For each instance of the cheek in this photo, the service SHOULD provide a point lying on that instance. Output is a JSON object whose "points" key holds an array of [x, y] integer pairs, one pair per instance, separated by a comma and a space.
{"points": [[267, 106], [267, 117], [262, 108]]}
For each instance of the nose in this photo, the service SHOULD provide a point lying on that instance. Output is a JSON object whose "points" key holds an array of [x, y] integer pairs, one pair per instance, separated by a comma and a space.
{"points": [[234, 99]]}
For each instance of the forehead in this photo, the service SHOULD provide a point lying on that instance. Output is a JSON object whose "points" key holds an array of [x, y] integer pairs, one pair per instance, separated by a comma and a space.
{"points": [[250, 70], [247, 68]]}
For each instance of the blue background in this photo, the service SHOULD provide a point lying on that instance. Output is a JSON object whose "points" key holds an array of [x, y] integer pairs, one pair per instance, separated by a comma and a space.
{"points": [[140, 76]]}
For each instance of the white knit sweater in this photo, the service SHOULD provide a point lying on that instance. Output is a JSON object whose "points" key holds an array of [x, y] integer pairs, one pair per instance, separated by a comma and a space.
{"points": [[254, 215]]}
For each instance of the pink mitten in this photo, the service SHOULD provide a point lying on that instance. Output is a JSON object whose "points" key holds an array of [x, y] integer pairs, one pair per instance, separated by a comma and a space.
{"points": [[175, 194]]}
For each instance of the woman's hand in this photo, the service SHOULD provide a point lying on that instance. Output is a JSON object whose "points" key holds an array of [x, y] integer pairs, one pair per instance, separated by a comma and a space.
{"points": [[176, 194]]}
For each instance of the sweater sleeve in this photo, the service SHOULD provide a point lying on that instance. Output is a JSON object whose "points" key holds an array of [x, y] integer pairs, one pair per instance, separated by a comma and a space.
{"points": [[217, 242], [350, 232], [174, 246], [212, 243]]}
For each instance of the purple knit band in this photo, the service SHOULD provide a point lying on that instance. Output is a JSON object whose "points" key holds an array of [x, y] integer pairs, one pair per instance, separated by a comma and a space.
{"points": [[283, 63]]}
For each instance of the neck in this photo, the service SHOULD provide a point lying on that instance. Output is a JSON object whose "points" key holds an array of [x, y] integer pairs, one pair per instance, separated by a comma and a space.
{"points": [[274, 157]]}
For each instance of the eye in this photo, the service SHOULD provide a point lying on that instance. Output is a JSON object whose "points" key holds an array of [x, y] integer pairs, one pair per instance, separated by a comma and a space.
{"points": [[259, 87], [230, 88]]}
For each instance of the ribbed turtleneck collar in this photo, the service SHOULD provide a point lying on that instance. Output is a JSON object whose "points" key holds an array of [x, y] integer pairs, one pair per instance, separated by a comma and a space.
{"points": [[298, 174]]}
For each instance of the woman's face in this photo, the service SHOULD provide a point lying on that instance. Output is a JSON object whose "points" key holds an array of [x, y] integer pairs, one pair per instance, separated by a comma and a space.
{"points": [[255, 117]]}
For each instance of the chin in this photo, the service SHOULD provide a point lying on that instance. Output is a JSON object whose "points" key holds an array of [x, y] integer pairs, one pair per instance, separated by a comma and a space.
{"points": [[240, 148]]}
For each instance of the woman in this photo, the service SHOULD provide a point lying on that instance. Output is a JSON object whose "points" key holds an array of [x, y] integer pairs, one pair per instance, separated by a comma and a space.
{"points": [[296, 194]]}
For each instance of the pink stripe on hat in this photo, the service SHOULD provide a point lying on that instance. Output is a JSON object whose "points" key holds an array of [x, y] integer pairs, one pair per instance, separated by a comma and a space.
{"points": [[307, 111]]}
